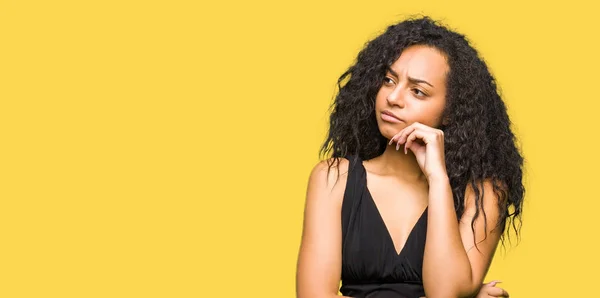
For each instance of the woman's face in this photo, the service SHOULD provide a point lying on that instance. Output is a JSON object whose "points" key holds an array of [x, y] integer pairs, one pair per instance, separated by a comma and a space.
{"points": [[414, 90]]}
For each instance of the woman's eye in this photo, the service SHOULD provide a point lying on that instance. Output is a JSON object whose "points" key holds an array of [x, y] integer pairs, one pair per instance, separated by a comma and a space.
{"points": [[419, 92], [388, 80]]}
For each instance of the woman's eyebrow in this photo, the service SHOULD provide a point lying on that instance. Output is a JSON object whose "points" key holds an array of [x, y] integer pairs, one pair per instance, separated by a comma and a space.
{"points": [[410, 79]]}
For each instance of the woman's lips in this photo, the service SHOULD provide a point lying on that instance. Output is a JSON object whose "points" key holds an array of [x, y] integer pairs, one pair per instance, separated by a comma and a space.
{"points": [[389, 118]]}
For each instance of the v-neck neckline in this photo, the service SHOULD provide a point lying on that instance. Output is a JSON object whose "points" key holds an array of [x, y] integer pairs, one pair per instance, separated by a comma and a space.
{"points": [[383, 223]]}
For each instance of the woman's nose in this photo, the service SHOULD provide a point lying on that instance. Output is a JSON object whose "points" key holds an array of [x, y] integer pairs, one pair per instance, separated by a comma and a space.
{"points": [[396, 97]]}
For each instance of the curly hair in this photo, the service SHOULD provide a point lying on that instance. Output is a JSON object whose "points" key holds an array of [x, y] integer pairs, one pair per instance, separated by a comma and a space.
{"points": [[479, 144]]}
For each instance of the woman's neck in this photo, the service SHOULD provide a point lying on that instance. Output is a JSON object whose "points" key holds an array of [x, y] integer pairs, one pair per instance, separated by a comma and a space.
{"points": [[397, 164]]}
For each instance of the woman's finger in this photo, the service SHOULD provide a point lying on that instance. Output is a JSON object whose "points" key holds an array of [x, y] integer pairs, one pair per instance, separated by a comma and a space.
{"points": [[424, 127], [405, 132], [416, 134], [397, 136], [496, 292]]}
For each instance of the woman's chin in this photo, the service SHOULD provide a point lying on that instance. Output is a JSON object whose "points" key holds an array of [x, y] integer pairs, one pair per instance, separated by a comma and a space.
{"points": [[388, 130]]}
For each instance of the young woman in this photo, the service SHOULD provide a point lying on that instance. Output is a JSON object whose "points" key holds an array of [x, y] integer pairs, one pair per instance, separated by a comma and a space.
{"points": [[423, 176]]}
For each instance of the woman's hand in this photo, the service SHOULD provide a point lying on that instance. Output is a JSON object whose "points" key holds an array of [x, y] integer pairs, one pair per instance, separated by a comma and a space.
{"points": [[490, 290], [427, 144]]}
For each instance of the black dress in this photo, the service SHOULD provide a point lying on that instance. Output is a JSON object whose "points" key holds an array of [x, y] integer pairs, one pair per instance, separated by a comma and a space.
{"points": [[371, 267]]}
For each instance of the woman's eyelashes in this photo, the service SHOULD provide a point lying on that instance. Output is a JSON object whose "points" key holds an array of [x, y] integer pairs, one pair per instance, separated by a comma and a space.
{"points": [[388, 81], [417, 92]]}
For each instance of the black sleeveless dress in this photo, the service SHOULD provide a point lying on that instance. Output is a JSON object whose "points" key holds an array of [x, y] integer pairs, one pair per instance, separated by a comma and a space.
{"points": [[371, 267]]}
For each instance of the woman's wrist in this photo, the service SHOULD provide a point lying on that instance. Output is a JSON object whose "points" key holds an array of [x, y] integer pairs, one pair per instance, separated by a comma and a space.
{"points": [[440, 178]]}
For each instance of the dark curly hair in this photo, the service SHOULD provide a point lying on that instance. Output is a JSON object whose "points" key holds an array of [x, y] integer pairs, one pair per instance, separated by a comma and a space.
{"points": [[479, 144]]}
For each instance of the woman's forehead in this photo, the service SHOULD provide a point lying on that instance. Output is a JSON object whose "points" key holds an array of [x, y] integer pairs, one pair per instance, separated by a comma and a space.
{"points": [[421, 62]]}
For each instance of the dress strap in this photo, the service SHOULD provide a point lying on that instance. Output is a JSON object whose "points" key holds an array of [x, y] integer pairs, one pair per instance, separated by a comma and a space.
{"points": [[353, 193]]}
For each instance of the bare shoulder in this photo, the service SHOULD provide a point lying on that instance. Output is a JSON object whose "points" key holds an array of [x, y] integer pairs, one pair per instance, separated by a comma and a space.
{"points": [[329, 175], [328, 179], [490, 200]]}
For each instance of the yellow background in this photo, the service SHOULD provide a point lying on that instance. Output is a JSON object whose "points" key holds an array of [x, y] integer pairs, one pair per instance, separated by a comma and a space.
{"points": [[162, 148]]}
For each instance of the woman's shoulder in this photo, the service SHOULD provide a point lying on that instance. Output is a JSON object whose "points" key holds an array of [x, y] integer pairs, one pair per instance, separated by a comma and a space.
{"points": [[329, 176], [329, 171]]}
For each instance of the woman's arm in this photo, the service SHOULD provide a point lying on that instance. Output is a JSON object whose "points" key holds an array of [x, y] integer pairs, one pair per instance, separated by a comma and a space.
{"points": [[320, 257], [490, 290], [452, 266]]}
